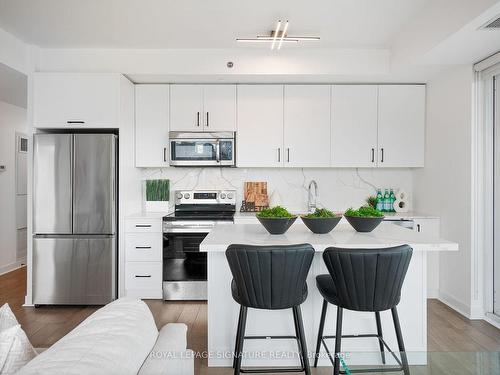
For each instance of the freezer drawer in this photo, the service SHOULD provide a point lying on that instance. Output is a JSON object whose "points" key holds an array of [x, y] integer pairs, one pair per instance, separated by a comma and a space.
{"points": [[74, 271]]}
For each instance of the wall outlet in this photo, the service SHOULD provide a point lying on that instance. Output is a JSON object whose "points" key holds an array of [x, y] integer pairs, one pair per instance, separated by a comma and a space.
{"points": [[3, 168]]}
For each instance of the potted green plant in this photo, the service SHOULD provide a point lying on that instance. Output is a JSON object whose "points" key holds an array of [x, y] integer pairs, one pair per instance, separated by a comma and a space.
{"points": [[276, 220], [364, 219], [157, 195], [321, 221]]}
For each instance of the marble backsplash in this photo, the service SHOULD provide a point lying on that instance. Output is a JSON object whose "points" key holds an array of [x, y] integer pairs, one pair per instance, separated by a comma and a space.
{"points": [[338, 189]]}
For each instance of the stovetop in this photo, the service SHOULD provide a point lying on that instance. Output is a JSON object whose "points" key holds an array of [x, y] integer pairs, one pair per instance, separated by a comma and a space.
{"points": [[204, 205]]}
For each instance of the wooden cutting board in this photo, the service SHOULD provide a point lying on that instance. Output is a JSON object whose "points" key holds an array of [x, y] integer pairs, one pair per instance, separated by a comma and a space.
{"points": [[256, 193]]}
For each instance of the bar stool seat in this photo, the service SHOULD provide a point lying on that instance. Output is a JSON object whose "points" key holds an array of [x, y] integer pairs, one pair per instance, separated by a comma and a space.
{"points": [[270, 278], [327, 288]]}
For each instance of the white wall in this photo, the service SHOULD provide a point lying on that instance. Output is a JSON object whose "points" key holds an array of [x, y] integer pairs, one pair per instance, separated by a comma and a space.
{"points": [[339, 189], [12, 119], [443, 187]]}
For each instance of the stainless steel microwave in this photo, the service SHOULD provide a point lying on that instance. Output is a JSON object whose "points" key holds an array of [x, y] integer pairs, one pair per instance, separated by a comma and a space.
{"points": [[194, 149]]}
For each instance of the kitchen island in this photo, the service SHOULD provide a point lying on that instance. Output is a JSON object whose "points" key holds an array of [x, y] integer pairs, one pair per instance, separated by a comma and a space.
{"points": [[223, 311]]}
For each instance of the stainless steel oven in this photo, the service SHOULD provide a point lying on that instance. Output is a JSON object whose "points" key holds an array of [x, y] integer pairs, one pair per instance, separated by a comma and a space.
{"points": [[184, 266], [192, 149]]}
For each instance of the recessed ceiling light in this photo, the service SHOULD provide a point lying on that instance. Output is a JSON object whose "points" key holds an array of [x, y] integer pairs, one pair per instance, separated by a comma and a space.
{"points": [[277, 37]]}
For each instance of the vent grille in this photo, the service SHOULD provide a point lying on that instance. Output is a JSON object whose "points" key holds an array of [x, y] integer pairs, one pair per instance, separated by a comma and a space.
{"points": [[494, 24]]}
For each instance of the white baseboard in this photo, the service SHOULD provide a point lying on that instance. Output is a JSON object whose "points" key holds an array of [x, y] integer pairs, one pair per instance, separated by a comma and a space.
{"points": [[12, 266], [433, 293], [492, 319], [455, 304]]}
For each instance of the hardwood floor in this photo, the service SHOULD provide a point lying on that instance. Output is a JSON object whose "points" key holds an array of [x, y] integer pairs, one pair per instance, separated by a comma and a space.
{"points": [[448, 331]]}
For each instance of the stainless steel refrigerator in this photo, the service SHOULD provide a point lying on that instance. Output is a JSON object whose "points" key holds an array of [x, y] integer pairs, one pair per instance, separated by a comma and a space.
{"points": [[74, 219]]}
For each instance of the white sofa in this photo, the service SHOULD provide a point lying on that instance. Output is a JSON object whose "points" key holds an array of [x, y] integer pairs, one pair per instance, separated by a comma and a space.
{"points": [[121, 338]]}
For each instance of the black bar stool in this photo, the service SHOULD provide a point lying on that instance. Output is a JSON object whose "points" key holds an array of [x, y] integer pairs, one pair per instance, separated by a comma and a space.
{"points": [[363, 280], [270, 278]]}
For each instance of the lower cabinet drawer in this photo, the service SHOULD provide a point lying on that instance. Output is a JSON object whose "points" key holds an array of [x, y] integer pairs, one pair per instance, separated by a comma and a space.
{"points": [[143, 275], [143, 247]]}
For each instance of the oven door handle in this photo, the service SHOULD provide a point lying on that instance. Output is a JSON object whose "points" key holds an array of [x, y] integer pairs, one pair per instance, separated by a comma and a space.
{"points": [[217, 150]]}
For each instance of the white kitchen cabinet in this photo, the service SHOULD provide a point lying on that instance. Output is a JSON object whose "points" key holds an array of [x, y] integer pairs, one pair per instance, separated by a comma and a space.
{"points": [[219, 107], [401, 125], [186, 107], [354, 126], [430, 226], [307, 126], [76, 100], [144, 256], [203, 107], [260, 126], [151, 125]]}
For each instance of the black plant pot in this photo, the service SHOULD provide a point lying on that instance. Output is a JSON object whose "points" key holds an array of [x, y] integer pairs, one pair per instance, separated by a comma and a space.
{"points": [[321, 225], [364, 224], [276, 225]]}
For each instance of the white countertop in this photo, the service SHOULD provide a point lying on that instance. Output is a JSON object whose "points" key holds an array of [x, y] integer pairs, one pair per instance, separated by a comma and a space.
{"points": [[388, 215], [385, 235], [149, 215]]}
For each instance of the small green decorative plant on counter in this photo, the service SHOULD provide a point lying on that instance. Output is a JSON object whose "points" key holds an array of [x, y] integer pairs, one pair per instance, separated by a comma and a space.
{"points": [[321, 213], [276, 212], [276, 220], [372, 201], [321, 221], [364, 219], [157, 195]]}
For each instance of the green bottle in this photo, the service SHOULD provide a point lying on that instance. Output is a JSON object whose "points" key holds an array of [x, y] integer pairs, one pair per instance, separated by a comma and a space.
{"points": [[380, 203], [392, 199], [387, 201]]}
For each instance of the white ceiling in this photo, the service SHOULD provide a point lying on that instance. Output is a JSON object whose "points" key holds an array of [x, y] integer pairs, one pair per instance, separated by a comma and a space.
{"points": [[203, 23]]}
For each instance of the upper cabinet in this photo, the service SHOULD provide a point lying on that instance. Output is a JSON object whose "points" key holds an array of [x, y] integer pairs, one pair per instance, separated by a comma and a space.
{"points": [[151, 125], [203, 107], [306, 126], [260, 126], [76, 100], [354, 126], [401, 125]]}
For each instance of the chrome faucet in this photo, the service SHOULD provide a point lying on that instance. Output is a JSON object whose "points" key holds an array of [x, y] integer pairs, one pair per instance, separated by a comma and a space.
{"points": [[311, 200]]}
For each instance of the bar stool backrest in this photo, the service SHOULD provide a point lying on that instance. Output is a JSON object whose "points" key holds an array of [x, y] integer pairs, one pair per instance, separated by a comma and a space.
{"points": [[368, 279], [270, 277]]}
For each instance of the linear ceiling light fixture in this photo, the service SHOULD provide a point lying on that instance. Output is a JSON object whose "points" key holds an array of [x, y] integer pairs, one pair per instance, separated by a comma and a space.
{"points": [[277, 37]]}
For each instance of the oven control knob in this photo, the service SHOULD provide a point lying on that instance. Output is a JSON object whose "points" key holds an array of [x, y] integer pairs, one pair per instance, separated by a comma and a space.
{"points": [[229, 195], [223, 195], [179, 195], [186, 196]]}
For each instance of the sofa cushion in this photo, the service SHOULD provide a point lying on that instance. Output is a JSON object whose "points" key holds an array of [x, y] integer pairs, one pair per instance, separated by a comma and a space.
{"points": [[7, 317], [116, 339], [15, 350], [169, 355]]}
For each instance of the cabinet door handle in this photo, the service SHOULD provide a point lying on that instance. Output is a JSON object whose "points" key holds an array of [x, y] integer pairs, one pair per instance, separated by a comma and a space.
{"points": [[75, 122], [382, 158], [197, 118], [279, 154], [373, 155], [143, 247], [143, 225], [207, 120], [142, 275], [418, 227], [164, 154], [288, 155]]}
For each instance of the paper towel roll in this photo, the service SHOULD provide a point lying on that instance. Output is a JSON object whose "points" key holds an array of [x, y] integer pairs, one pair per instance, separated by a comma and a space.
{"points": [[401, 203]]}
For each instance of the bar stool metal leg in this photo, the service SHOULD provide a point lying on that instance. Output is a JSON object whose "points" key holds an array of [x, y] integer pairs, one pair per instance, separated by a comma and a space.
{"points": [[399, 337], [240, 339], [297, 335], [320, 332], [379, 333], [338, 338], [238, 332], [302, 337]]}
